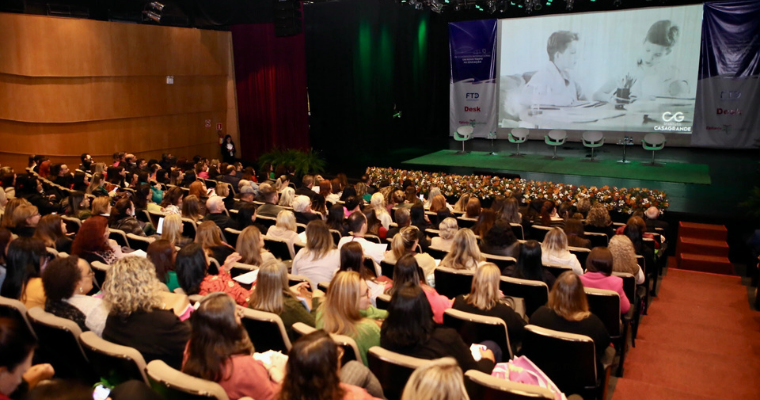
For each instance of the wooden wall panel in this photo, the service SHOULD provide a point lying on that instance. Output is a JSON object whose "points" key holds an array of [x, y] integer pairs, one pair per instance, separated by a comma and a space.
{"points": [[56, 100], [47, 46]]}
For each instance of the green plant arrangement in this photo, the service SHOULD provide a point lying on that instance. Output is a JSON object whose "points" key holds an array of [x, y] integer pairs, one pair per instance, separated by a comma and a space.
{"points": [[300, 161]]}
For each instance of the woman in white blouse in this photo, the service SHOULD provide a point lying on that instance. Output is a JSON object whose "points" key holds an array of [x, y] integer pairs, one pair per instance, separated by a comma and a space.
{"points": [[554, 251]]}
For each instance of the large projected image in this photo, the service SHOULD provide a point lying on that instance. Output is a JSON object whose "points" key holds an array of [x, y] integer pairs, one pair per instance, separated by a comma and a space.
{"points": [[633, 71]]}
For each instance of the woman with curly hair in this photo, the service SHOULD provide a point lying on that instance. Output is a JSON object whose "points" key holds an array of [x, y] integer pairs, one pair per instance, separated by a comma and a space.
{"points": [[136, 319], [624, 257], [172, 202], [599, 220], [219, 350]]}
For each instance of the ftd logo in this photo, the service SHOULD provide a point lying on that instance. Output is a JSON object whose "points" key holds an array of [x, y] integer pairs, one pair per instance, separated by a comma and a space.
{"points": [[472, 96], [472, 109]]}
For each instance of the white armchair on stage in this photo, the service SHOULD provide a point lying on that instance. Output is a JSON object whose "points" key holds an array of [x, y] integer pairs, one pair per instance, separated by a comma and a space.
{"points": [[463, 134]]}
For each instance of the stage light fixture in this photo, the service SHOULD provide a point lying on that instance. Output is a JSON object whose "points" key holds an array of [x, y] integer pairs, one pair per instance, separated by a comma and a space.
{"points": [[617, 3], [569, 5], [151, 15], [157, 6]]}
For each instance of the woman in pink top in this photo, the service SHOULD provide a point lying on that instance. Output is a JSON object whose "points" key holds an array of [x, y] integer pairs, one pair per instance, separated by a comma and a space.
{"points": [[599, 275], [312, 372], [219, 350], [407, 270]]}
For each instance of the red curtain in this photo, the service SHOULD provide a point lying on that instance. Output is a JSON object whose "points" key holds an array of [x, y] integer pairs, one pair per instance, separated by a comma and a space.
{"points": [[270, 74]]}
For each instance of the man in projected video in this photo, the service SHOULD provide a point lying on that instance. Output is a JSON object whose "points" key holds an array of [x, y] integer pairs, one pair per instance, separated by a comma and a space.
{"points": [[554, 85]]}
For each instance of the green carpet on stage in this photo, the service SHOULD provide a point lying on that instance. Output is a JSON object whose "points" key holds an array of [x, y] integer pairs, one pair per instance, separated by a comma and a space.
{"points": [[670, 172]]}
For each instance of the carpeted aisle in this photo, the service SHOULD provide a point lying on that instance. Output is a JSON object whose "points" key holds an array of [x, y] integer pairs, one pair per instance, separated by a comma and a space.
{"points": [[700, 340]]}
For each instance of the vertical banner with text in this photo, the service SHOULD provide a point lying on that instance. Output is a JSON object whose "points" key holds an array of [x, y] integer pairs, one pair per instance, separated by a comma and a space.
{"points": [[473, 88], [728, 95]]}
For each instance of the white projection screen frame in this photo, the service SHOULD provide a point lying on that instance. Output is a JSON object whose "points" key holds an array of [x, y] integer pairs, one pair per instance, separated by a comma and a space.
{"points": [[612, 78]]}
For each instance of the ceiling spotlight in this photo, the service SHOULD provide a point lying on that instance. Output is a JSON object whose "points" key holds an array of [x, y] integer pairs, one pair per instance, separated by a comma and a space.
{"points": [[151, 15], [158, 6], [617, 3], [569, 6]]}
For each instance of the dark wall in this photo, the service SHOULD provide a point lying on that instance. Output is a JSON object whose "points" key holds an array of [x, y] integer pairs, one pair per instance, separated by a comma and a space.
{"points": [[364, 56]]}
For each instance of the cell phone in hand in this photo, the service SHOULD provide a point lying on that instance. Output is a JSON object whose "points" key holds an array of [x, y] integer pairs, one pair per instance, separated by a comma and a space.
{"points": [[101, 393]]}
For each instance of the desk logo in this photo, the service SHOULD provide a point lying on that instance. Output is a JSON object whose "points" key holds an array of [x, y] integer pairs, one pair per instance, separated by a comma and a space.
{"points": [[723, 111], [471, 109], [668, 116]]}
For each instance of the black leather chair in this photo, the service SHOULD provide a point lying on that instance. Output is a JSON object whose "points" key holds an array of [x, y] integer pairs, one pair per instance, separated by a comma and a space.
{"points": [[392, 370], [112, 362], [483, 386], [475, 328], [453, 282], [278, 248], [535, 293], [266, 330]]}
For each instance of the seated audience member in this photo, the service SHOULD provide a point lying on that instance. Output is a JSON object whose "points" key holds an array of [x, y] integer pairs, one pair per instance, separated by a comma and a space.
{"points": [[351, 205], [162, 254], [485, 299], [193, 276], [273, 295], [30, 188], [10, 207], [201, 170], [554, 251], [230, 176], [407, 242], [17, 375], [78, 206], [172, 231], [52, 231], [529, 265], [67, 281], [306, 189], [352, 259], [246, 217], [408, 270], [285, 229], [500, 240], [510, 212], [102, 206], [247, 194], [357, 223], [336, 220], [464, 253], [374, 226], [652, 214], [486, 219], [599, 275], [440, 379], [599, 220], [92, 242], [123, 218], [418, 217], [5, 239], [270, 207], [348, 192], [340, 313], [224, 190], [286, 197], [25, 220], [250, 246], [377, 201], [199, 190], [411, 331], [575, 235], [302, 210], [210, 238], [97, 185], [624, 257], [395, 200], [136, 319], [567, 311], [219, 350], [473, 208], [438, 203], [62, 176], [318, 261], [403, 218], [216, 214], [172, 202], [25, 260], [192, 208], [447, 229], [313, 372], [636, 230]]}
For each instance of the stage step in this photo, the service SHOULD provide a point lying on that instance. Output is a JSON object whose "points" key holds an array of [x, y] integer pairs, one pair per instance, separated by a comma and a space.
{"points": [[702, 231], [706, 247], [704, 263]]}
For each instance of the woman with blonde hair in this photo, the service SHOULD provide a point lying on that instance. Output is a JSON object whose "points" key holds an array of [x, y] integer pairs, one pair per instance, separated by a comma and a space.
{"points": [[624, 257], [567, 311], [282, 183], [273, 295], [485, 299], [10, 207], [461, 204], [136, 319], [439, 379], [447, 229], [25, 220], [172, 231], [599, 221], [97, 184], [285, 229], [464, 253], [192, 208], [209, 237], [405, 242], [554, 251], [286, 197], [341, 312], [510, 212], [101, 206], [219, 350], [250, 246], [377, 202], [319, 260]]}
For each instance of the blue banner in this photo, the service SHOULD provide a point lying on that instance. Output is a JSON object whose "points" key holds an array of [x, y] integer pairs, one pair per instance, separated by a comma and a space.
{"points": [[472, 51], [728, 94]]}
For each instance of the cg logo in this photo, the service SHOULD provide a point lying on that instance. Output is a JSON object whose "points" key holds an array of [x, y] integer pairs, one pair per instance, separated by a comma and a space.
{"points": [[668, 116]]}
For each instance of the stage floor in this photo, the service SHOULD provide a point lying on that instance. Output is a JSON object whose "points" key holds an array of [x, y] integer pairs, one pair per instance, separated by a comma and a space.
{"points": [[601, 167]]}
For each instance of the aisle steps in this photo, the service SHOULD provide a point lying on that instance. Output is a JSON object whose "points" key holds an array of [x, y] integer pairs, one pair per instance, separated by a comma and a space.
{"points": [[703, 247]]}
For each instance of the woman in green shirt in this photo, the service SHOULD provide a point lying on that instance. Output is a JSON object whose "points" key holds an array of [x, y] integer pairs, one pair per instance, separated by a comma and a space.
{"points": [[347, 311], [162, 254], [273, 295]]}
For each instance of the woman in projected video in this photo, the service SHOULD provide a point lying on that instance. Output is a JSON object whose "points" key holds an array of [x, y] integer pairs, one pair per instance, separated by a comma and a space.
{"points": [[654, 75]]}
